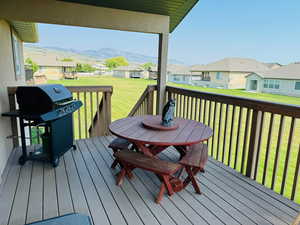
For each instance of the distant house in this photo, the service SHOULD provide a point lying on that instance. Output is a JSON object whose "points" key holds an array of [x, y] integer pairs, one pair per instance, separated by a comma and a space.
{"points": [[181, 75], [54, 69], [227, 73], [284, 81], [131, 71], [101, 69]]}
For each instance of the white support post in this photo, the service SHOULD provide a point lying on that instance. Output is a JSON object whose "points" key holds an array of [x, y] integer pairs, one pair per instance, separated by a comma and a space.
{"points": [[162, 70]]}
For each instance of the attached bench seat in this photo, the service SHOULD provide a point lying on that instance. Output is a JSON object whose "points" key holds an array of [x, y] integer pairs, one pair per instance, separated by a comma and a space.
{"points": [[164, 169], [118, 144], [194, 161], [196, 156]]}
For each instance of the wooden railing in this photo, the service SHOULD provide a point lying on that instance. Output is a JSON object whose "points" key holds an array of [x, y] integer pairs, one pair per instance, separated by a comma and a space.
{"points": [[146, 103], [257, 138], [92, 119]]}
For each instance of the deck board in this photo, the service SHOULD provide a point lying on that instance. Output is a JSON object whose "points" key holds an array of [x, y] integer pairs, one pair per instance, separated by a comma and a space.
{"points": [[85, 183]]}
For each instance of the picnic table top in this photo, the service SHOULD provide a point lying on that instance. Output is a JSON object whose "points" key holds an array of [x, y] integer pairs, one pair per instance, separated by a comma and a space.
{"points": [[189, 132]]}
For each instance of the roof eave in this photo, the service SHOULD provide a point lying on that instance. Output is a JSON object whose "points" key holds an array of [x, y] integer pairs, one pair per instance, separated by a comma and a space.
{"points": [[27, 31]]}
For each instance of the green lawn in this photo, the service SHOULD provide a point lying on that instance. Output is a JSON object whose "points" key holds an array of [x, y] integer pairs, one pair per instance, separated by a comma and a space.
{"points": [[127, 92]]}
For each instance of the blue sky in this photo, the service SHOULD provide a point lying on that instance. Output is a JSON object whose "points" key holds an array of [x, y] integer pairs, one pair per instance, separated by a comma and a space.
{"points": [[267, 30]]}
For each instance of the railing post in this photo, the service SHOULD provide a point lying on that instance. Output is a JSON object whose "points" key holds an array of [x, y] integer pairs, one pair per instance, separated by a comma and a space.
{"points": [[150, 101], [107, 111], [253, 146], [14, 121]]}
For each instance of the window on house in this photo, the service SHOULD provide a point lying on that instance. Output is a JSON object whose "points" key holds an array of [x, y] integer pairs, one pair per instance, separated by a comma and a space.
{"points": [[205, 76], [272, 84], [219, 75], [277, 84], [297, 85], [266, 84], [16, 46]]}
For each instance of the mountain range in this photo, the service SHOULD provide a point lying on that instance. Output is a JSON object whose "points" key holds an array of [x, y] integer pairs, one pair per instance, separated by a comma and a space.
{"points": [[94, 55]]}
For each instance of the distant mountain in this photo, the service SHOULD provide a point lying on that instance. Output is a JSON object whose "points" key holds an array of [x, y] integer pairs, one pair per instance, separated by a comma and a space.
{"points": [[101, 54]]}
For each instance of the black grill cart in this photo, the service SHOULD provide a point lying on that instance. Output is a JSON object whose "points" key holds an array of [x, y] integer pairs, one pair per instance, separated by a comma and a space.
{"points": [[51, 107]]}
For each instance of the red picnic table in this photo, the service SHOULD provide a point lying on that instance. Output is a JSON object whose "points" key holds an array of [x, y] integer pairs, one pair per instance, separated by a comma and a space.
{"points": [[151, 141]]}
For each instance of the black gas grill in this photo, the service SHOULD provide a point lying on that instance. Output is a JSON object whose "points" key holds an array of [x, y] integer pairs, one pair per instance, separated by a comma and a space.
{"points": [[49, 107]]}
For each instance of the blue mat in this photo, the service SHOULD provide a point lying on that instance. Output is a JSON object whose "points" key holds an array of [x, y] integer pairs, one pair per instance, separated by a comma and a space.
{"points": [[70, 219]]}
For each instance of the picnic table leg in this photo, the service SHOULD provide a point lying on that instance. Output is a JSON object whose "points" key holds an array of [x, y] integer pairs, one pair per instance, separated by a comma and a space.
{"points": [[161, 192], [166, 181], [191, 178]]}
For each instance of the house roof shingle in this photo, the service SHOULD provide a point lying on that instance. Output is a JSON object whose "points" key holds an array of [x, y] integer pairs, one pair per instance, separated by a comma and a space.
{"points": [[289, 72], [232, 65]]}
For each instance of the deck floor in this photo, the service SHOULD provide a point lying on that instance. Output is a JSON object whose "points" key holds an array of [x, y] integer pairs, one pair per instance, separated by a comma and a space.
{"points": [[84, 183]]}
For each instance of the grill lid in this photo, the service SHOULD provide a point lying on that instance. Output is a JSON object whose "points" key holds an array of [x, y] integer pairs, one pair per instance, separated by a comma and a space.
{"points": [[40, 99]]}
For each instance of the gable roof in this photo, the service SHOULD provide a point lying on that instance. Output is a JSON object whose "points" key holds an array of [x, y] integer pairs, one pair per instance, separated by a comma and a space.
{"points": [[289, 72], [232, 65], [175, 9]]}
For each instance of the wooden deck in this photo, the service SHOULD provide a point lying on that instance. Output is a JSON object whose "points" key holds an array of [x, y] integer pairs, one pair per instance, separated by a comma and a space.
{"points": [[84, 183]]}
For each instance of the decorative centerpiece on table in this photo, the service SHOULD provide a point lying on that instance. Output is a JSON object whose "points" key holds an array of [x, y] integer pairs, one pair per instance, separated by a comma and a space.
{"points": [[164, 122], [168, 114]]}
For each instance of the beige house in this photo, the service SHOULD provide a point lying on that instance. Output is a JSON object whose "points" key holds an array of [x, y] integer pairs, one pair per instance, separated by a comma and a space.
{"points": [[131, 71], [283, 81], [181, 75], [227, 73], [12, 36], [54, 69]]}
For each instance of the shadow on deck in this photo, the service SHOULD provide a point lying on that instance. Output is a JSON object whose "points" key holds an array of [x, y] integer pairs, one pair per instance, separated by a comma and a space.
{"points": [[84, 183]]}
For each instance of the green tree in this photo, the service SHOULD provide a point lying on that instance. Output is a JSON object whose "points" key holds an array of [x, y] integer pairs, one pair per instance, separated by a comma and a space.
{"points": [[31, 65], [84, 68], [67, 60], [115, 62], [147, 66]]}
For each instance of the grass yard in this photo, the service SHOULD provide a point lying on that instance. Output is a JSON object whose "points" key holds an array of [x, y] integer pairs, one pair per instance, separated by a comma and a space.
{"points": [[127, 92]]}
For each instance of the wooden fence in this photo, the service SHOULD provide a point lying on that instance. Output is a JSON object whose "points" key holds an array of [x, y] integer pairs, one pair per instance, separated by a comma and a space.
{"points": [[92, 119]]}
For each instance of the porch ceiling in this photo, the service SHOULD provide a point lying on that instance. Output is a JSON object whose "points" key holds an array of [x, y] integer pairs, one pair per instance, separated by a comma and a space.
{"points": [[175, 9]]}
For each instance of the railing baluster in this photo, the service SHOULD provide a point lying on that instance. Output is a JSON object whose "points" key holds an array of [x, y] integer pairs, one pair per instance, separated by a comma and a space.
{"points": [[259, 144], [278, 146], [92, 111], [245, 145], [225, 133], [200, 110], [268, 148], [296, 175], [287, 158], [219, 130], [196, 109], [231, 135], [79, 121], [238, 137], [214, 128]]}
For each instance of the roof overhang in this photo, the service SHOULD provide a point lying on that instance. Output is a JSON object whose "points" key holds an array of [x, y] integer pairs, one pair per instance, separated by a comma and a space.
{"points": [[175, 9], [27, 32]]}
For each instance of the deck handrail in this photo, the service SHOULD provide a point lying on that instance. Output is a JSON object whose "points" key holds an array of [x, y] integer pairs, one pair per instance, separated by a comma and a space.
{"points": [[92, 119], [258, 138], [145, 104]]}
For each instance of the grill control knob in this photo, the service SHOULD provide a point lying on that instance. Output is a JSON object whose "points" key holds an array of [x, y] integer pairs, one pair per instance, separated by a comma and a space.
{"points": [[56, 90]]}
